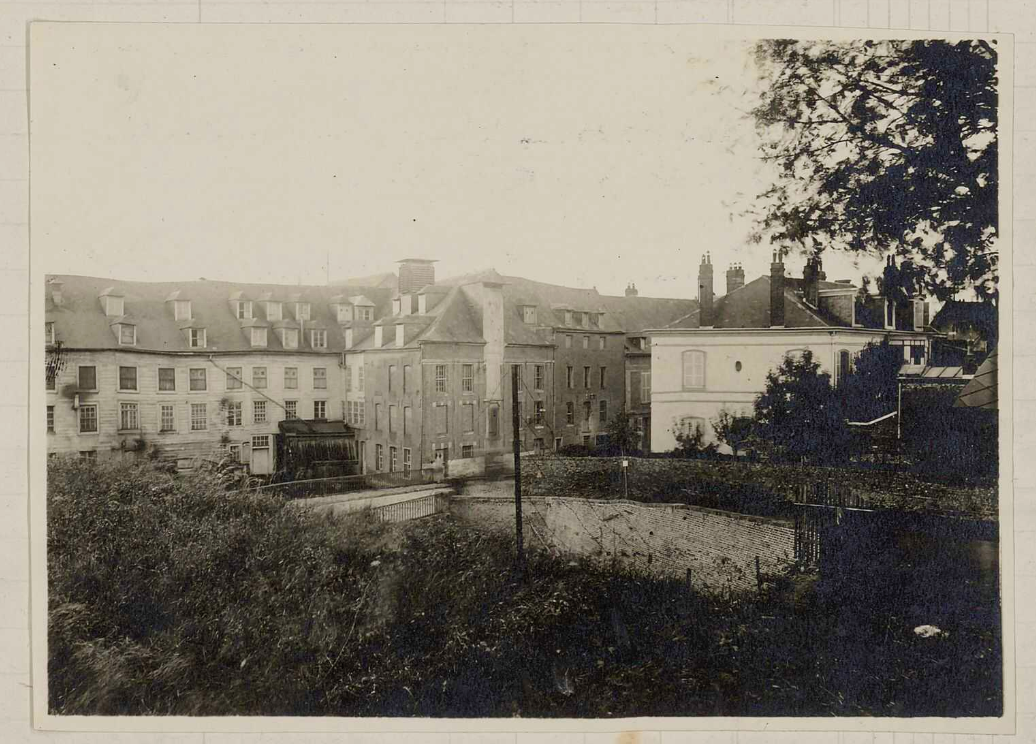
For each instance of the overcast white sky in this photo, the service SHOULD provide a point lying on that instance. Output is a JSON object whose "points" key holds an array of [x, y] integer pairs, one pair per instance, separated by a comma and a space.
{"points": [[587, 156]]}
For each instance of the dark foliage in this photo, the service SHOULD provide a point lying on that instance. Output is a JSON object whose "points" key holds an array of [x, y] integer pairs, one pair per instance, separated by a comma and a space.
{"points": [[885, 147], [957, 443], [734, 430], [171, 596], [691, 443], [799, 414], [871, 388]]}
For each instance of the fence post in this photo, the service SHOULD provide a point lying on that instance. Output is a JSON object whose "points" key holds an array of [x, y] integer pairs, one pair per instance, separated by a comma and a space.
{"points": [[758, 576]]}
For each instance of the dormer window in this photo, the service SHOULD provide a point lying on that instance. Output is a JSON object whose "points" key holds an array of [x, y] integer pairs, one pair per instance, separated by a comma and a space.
{"points": [[258, 337], [365, 313], [345, 313], [400, 334], [196, 338], [378, 340], [422, 304], [301, 311], [595, 320], [529, 314], [397, 305], [49, 328], [318, 339], [273, 311], [244, 309], [348, 338], [568, 317], [127, 334], [181, 309], [114, 306], [584, 319], [290, 338]]}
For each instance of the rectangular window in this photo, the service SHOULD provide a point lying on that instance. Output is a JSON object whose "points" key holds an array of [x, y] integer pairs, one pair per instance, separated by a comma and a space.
{"points": [[377, 417], [602, 343], [393, 464], [391, 374], [379, 458], [569, 378], [541, 412], [467, 451], [127, 334], [408, 422], [166, 379], [258, 411], [199, 417], [360, 382], [234, 375], [318, 339], [529, 314], [50, 418], [88, 378], [537, 444], [570, 413], [604, 371], [127, 378], [320, 409], [586, 411], [301, 311], [234, 452], [167, 417], [273, 311], [440, 378], [603, 414], [87, 419], [645, 387], [50, 333], [88, 455], [244, 309], [392, 419], [291, 409], [406, 379], [568, 340], [468, 417], [196, 338], [538, 377], [258, 337], [407, 462], [493, 425], [52, 378], [197, 379], [586, 377], [260, 441], [128, 419], [519, 368], [291, 338], [595, 320], [259, 378], [693, 369], [320, 378], [467, 378], [348, 373], [586, 342], [442, 419], [234, 413], [291, 378]]}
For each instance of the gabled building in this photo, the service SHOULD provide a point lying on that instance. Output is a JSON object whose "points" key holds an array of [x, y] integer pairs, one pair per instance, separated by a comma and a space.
{"points": [[196, 369], [718, 355]]}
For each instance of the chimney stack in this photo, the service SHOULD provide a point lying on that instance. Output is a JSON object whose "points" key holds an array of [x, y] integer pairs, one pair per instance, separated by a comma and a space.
{"points": [[810, 288], [415, 273], [735, 277], [706, 293], [777, 291], [631, 290], [56, 293]]}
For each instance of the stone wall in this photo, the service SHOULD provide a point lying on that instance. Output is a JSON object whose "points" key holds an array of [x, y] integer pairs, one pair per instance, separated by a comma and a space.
{"points": [[716, 549]]}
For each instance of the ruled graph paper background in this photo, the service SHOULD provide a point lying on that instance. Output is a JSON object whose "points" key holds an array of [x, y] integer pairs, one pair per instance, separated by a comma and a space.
{"points": [[1012, 16]]}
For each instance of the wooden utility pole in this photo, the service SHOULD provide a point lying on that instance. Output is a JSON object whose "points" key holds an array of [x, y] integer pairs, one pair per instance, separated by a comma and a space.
{"points": [[516, 428]]}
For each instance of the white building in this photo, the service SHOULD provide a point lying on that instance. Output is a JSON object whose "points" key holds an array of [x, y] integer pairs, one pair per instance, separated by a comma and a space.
{"points": [[718, 356]]}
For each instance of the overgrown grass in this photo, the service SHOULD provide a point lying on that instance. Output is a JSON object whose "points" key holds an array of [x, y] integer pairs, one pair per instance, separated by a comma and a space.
{"points": [[170, 596]]}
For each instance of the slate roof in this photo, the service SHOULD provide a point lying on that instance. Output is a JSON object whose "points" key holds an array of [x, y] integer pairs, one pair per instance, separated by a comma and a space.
{"points": [[981, 315], [636, 314], [749, 307], [80, 322]]}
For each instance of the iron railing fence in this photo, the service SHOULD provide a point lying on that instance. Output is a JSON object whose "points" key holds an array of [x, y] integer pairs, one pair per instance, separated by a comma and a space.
{"points": [[351, 483]]}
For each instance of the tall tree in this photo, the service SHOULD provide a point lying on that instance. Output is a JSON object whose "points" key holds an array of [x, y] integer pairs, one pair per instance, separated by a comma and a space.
{"points": [[884, 147]]}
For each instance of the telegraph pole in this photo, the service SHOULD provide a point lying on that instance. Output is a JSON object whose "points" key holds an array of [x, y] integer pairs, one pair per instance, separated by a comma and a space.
{"points": [[515, 426]]}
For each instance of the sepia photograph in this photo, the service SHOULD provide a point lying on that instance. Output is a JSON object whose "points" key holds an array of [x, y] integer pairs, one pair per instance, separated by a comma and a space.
{"points": [[502, 372]]}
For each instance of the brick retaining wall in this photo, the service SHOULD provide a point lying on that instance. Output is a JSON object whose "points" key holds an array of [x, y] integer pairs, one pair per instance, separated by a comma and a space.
{"points": [[664, 540]]}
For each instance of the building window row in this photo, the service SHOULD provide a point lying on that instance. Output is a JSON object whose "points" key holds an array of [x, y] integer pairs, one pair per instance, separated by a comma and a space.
{"points": [[601, 344]]}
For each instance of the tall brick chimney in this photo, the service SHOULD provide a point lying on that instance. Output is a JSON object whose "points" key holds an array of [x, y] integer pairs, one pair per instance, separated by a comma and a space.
{"points": [[415, 273], [56, 294], [735, 277], [706, 293], [777, 291]]}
